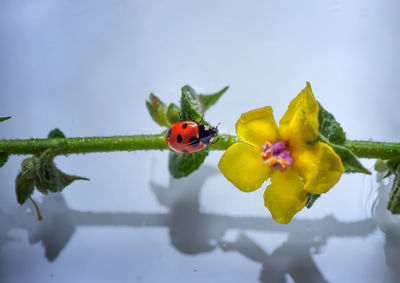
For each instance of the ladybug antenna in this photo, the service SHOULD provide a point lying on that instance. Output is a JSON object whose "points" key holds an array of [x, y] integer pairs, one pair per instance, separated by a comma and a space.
{"points": [[216, 129]]}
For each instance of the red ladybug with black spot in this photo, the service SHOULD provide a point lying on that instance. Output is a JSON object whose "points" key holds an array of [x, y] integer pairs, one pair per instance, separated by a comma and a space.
{"points": [[190, 136]]}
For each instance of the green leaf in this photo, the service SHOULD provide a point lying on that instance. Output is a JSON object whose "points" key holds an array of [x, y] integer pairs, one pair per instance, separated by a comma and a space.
{"points": [[207, 100], [311, 199], [332, 133], [192, 96], [190, 105], [173, 113], [157, 110], [25, 182], [393, 164], [394, 200], [48, 177], [330, 128], [23, 188], [3, 158], [56, 134], [28, 167], [4, 118], [181, 165], [350, 162]]}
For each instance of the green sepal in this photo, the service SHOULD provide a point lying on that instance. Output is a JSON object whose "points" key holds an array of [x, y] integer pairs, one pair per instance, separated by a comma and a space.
{"points": [[48, 177], [382, 169], [329, 127], [394, 200], [182, 165], [207, 100], [173, 113], [4, 118], [381, 166], [332, 133], [311, 199], [3, 158], [25, 181], [157, 110], [56, 134]]}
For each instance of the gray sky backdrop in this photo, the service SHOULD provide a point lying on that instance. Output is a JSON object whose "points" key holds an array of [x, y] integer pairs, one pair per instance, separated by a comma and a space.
{"points": [[87, 67]]}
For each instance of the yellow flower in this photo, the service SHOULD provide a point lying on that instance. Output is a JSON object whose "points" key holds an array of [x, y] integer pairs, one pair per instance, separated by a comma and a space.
{"points": [[297, 162]]}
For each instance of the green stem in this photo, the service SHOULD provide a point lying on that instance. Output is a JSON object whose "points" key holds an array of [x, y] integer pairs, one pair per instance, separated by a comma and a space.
{"points": [[363, 149], [370, 149], [98, 144]]}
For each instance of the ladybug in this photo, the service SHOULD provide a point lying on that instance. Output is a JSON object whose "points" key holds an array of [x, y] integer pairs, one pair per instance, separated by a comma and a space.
{"points": [[190, 136]]}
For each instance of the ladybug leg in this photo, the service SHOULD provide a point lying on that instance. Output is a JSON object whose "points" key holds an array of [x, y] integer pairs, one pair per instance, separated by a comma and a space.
{"points": [[201, 120], [214, 142], [194, 141]]}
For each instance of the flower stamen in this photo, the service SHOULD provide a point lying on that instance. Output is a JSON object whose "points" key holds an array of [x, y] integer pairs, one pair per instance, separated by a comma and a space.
{"points": [[276, 155]]}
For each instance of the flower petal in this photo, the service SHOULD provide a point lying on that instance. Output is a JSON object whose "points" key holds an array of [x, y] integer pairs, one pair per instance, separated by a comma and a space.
{"points": [[285, 196], [243, 166], [257, 127], [299, 124], [319, 166]]}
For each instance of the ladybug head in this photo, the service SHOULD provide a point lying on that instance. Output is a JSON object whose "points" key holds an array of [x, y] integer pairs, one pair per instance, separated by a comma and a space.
{"points": [[214, 130]]}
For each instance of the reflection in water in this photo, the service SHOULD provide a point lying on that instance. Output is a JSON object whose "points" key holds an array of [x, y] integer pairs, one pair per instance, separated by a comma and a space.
{"points": [[390, 225], [194, 232]]}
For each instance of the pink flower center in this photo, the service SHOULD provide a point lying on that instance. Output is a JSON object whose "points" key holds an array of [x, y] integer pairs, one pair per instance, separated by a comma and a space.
{"points": [[276, 155]]}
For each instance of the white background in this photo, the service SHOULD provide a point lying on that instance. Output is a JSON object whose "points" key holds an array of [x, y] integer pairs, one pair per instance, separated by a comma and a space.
{"points": [[87, 67]]}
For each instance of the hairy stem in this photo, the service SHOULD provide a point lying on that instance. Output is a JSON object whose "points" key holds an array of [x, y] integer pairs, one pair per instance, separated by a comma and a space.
{"points": [[363, 149], [98, 144], [371, 149]]}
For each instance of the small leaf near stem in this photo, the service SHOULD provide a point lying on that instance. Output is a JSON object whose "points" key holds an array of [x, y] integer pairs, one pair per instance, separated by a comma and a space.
{"points": [[349, 160], [3, 158], [394, 201], [173, 113], [157, 110], [311, 199], [56, 134], [329, 127], [2, 119], [48, 177], [207, 100], [190, 106], [332, 133], [24, 187], [182, 165]]}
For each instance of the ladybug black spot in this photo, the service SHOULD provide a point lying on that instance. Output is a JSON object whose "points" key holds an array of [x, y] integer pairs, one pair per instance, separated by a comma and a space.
{"points": [[185, 151], [179, 138], [169, 133], [184, 126], [194, 141]]}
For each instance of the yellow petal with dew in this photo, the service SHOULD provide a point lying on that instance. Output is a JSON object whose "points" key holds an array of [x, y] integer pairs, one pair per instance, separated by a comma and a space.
{"points": [[243, 166], [257, 127], [285, 196], [299, 125], [319, 166]]}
